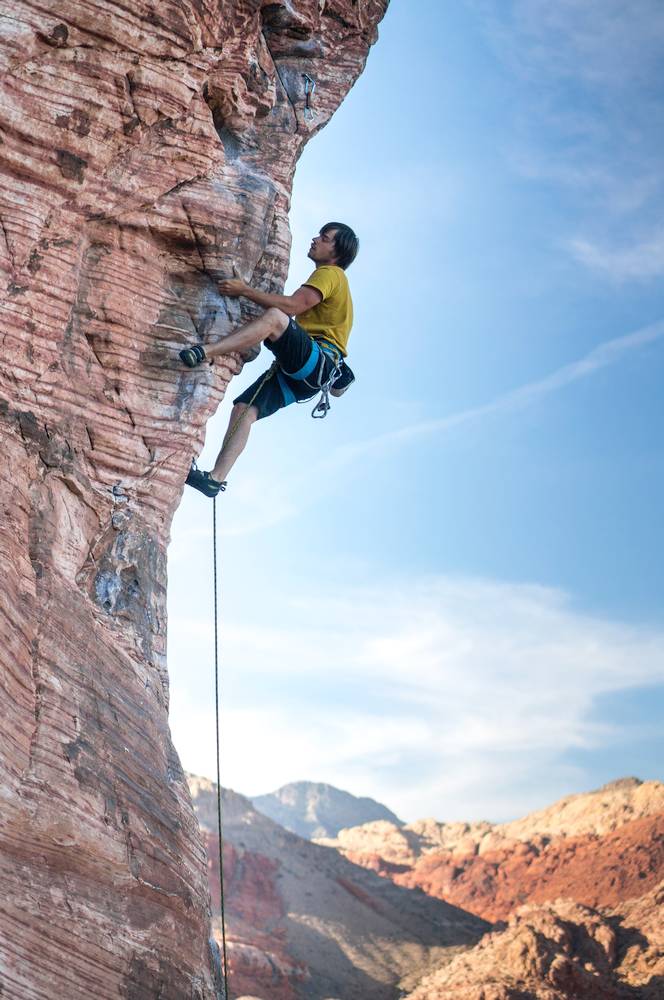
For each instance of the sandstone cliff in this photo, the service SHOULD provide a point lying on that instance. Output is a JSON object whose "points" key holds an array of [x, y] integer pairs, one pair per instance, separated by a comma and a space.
{"points": [[144, 148], [303, 922]]}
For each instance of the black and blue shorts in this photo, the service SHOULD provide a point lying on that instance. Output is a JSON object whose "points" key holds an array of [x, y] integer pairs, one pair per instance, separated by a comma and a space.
{"points": [[303, 365]]}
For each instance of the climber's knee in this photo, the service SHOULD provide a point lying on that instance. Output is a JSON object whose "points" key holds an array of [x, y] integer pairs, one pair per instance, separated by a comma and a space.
{"points": [[241, 411], [276, 322]]}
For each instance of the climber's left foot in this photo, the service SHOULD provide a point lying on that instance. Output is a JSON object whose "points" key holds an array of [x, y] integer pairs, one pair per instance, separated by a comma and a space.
{"points": [[204, 483]]}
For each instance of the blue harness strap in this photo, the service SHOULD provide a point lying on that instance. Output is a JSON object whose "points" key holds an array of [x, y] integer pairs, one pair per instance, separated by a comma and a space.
{"points": [[318, 350], [331, 350], [288, 394], [309, 365]]}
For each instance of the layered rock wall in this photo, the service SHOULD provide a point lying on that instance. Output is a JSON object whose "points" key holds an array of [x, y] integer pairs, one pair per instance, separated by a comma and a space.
{"points": [[145, 148]]}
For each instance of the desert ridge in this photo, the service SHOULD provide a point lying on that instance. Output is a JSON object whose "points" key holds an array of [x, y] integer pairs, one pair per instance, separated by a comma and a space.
{"points": [[567, 901]]}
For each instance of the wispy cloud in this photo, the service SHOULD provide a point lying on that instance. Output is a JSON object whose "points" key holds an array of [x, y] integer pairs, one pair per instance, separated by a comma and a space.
{"points": [[442, 696], [640, 260], [608, 353], [264, 503], [589, 117]]}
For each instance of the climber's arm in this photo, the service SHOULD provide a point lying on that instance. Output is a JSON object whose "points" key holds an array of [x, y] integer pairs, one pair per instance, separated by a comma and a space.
{"points": [[304, 298]]}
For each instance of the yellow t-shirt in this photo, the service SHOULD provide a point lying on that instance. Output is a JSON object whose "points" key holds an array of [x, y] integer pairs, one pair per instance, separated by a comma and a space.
{"points": [[332, 318]]}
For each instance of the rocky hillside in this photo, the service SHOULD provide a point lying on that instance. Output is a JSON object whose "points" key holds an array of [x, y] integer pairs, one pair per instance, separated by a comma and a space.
{"points": [[598, 848], [576, 889], [311, 809], [596, 812], [304, 922], [589, 870], [562, 951]]}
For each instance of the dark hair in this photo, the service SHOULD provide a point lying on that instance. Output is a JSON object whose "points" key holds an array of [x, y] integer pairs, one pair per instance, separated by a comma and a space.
{"points": [[346, 243]]}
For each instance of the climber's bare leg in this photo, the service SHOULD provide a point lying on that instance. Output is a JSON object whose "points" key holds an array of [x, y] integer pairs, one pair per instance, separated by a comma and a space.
{"points": [[270, 326], [235, 440]]}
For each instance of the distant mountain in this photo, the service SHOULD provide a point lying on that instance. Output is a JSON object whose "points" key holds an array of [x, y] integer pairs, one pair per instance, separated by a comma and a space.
{"points": [[304, 923], [598, 848], [579, 885], [311, 809]]}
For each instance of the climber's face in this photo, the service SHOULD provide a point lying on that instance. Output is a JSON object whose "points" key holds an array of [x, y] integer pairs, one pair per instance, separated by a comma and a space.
{"points": [[323, 248]]}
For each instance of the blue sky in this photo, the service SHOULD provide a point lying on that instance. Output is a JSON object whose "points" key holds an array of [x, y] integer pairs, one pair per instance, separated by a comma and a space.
{"points": [[447, 595]]}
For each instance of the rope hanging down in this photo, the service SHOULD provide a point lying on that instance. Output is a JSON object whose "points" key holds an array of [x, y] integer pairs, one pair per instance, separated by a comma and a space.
{"points": [[320, 410], [216, 706]]}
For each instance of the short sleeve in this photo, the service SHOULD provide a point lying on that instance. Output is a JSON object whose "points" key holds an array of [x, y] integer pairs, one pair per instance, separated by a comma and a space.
{"points": [[325, 280]]}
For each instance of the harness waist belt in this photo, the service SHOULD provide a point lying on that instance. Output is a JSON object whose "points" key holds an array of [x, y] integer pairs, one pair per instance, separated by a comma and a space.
{"points": [[328, 347]]}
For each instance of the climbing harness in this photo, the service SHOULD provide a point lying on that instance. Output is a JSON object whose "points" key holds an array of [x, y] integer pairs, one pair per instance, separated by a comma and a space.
{"points": [[312, 374], [216, 706], [309, 87], [323, 405]]}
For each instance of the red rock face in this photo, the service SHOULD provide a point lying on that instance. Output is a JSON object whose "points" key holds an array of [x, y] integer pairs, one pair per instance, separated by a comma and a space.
{"points": [[144, 149], [595, 871], [260, 963]]}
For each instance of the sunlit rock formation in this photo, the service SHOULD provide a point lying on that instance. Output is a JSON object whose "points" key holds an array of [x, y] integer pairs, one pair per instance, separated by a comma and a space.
{"points": [[144, 149], [598, 848], [306, 924]]}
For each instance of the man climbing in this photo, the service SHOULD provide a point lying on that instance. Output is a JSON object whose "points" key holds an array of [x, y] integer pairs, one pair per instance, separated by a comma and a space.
{"points": [[307, 352]]}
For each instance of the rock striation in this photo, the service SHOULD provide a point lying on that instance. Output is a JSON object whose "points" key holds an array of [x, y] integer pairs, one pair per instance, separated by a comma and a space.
{"points": [[144, 149]]}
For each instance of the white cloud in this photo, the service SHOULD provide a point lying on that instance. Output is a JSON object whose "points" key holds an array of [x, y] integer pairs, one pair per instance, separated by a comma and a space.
{"points": [[438, 696], [642, 260]]}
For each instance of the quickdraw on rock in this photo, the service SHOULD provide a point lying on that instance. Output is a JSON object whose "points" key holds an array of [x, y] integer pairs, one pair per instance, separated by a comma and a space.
{"points": [[309, 87]]}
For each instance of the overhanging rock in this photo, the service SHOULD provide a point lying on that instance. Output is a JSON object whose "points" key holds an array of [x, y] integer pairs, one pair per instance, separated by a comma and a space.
{"points": [[144, 149]]}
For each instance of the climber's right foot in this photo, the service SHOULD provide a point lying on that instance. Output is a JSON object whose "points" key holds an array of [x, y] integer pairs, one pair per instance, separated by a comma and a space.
{"points": [[192, 356], [203, 482]]}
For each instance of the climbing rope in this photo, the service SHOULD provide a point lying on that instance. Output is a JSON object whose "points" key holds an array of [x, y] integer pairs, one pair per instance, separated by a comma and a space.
{"points": [[268, 375], [323, 405], [216, 706]]}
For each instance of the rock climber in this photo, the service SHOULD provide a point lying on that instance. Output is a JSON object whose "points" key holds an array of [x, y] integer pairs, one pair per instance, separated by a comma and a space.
{"points": [[309, 352]]}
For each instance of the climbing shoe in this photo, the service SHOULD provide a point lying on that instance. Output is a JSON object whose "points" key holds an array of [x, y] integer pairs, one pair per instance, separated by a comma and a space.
{"points": [[203, 482], [343, 381], [192, 356]]}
